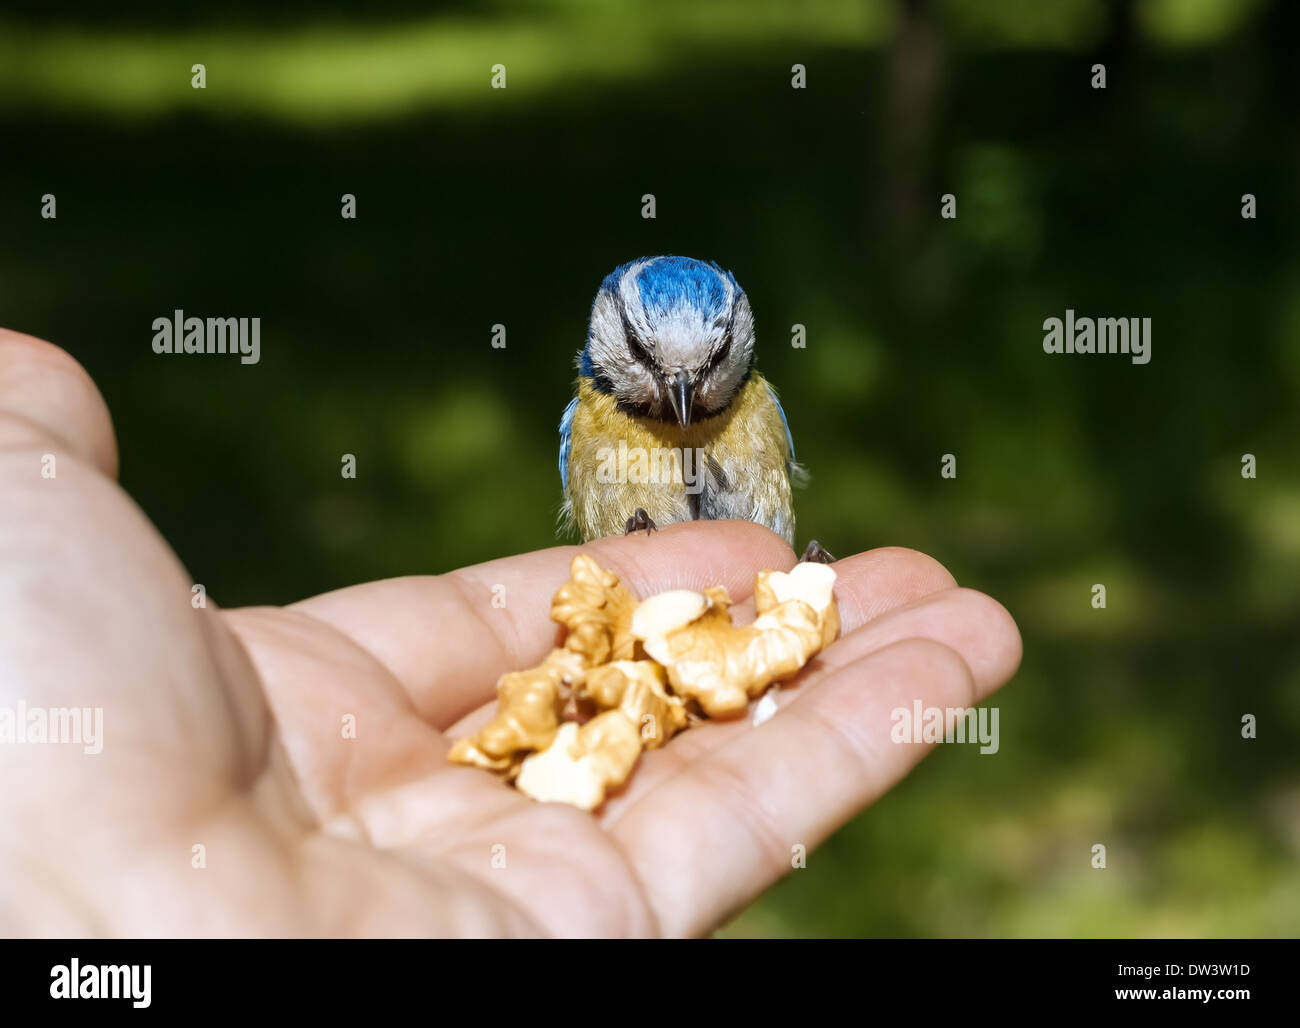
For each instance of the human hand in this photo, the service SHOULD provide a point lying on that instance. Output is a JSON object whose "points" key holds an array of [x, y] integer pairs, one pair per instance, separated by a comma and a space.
{"points": [[223, 729]]}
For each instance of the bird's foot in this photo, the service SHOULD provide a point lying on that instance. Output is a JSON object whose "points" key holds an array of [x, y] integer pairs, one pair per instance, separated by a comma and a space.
{"points": [[639, 520], [816, 553]]}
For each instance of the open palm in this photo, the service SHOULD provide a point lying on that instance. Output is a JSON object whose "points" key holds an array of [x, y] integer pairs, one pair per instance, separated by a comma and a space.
{"points": [[282, 771]]}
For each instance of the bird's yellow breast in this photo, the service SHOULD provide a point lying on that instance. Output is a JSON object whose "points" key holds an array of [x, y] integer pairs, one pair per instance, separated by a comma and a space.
{"points": [[736, 464]]}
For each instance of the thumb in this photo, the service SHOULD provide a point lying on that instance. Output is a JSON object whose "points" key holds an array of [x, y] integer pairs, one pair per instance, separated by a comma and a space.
{"points": [[48, 401]]}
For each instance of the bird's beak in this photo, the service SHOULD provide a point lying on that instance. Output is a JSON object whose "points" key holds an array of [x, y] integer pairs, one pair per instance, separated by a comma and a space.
{"points": [[681, 394]]}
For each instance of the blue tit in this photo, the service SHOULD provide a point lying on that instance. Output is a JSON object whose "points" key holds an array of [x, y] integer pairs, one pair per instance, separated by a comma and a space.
{"points": [[671, 422]]}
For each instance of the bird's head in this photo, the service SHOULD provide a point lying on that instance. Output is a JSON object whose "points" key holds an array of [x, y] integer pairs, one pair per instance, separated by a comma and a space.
{"points": [[671, 338]]}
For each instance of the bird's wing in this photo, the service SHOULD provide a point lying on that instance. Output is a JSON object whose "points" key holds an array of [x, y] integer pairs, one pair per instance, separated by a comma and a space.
{"points": [[788, 437], [566, 432], [798, 475]]}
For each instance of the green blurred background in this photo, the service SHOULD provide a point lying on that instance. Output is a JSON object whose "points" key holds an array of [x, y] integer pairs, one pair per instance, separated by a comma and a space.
{"points": [[479, 206]]}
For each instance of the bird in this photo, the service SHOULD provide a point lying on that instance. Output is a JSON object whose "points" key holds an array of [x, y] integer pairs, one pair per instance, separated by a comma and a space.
{"points": [[670, 421]]}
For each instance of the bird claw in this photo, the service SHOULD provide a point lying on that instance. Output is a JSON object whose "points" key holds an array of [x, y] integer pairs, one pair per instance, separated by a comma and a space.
{"points": [[639, 520], [816, 553]]}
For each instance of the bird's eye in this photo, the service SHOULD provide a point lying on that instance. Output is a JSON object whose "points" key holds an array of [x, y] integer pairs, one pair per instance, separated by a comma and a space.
{"points": [[721, 355], [636, 349]]}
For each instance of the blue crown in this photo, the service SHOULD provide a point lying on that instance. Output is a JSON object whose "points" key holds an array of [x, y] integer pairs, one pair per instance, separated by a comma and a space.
{"points": [[665, 283]]}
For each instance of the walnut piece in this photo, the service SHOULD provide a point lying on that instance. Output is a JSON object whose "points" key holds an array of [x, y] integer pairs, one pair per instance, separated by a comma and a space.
{"points": [[581, 764], [722, 665], [597, 611], [812, 583], [636, 687], [528, 714]]}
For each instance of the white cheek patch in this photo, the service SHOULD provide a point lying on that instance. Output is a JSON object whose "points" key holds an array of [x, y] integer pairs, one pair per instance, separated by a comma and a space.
{"points": [[630, 295], [610, 354]]}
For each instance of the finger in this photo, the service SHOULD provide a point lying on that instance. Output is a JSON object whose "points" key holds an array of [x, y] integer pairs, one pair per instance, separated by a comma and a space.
{"points": [[788, 783], [364, 765], [871, 583], [97, 611], [48, 402], [973, 625], [447, 641], [347, 728]]}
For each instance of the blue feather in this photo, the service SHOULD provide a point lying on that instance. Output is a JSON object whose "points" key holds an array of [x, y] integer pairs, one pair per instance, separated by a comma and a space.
{"points": [[669, 282], [665, 282], [566, 440]]}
